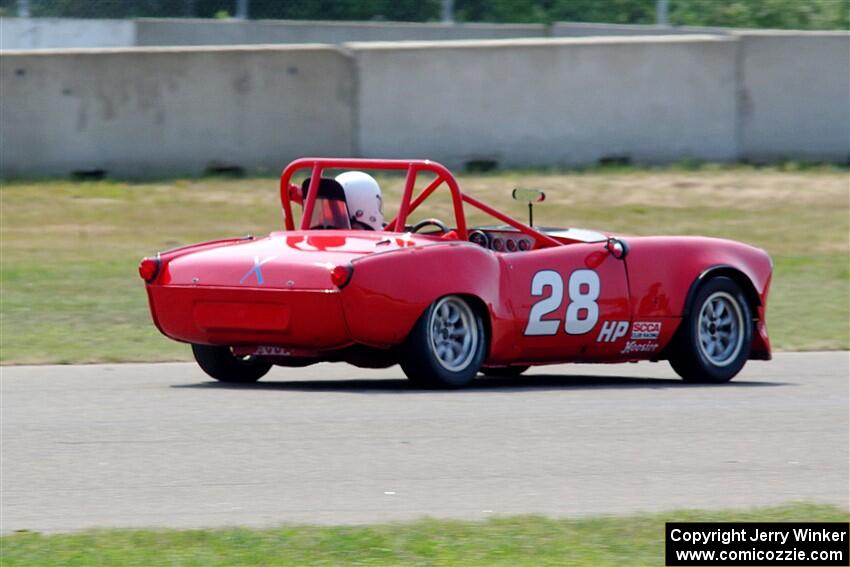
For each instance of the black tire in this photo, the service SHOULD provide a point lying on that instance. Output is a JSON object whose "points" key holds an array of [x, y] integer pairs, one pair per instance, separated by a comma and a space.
{"points": [[504, 371], [220, 363], [428, 356], [714, 341]]}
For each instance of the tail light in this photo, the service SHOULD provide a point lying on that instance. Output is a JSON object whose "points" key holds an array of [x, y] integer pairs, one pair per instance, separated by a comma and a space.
{"points": [[341, 275], [149, 268]]}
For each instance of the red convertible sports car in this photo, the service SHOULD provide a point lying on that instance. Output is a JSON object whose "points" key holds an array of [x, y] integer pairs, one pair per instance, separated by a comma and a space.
{"points": [[446, 300]]}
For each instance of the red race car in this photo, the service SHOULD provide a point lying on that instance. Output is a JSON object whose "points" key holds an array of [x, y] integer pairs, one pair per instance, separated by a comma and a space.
{"points": [[447, 301]]}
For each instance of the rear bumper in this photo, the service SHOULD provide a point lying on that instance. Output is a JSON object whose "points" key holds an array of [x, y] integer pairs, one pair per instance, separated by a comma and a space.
{"points": [[237, 316]]}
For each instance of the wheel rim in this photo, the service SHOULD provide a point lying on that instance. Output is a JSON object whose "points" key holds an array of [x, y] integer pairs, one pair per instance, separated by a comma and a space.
{"points": [[453, 333], [721, 329]]}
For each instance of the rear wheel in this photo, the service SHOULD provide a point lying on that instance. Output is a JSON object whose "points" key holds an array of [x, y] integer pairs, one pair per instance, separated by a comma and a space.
{"points": [[714, 342], [504, 371], [220, 363], [446, 346]]}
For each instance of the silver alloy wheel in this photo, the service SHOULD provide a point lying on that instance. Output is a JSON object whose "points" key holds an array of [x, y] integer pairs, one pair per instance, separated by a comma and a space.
{"points": [[453, 331], [721, 328]]}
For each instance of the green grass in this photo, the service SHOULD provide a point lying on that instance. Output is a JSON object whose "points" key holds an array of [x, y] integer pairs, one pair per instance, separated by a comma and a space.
{"points": [[510, 541], [69, 291]]}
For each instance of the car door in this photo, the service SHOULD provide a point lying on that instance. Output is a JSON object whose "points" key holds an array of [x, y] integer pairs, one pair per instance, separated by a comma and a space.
{"points": [[570, 302]]}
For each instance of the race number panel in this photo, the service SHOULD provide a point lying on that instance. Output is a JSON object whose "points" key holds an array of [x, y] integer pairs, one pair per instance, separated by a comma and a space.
{"points": [[541, 281], [582, 309], [563, 297]]}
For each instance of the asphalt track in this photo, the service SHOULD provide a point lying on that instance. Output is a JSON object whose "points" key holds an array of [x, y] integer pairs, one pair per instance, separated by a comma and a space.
{"points": [[162, 445]]}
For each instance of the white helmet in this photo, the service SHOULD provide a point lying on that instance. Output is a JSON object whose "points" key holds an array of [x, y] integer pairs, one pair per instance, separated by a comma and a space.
{"points": [[363, 197]]}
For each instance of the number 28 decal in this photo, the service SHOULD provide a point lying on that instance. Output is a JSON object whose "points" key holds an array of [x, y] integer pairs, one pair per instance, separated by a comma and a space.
{"points": [[582, 310]]}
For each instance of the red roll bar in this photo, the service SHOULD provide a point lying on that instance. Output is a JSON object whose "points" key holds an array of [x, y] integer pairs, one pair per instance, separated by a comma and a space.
{"points": [[406, 207]]}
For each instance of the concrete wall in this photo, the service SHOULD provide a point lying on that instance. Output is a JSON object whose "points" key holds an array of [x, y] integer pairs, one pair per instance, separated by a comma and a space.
{"points": [[795, 96], [227, 32], [583, 29], [159, 111], [49, 33], [166, 111], [549, 102]]}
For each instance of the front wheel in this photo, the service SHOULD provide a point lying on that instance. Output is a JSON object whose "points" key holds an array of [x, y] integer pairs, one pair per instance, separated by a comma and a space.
{"points": [[220, 363], [714, 342], [446, 346]]}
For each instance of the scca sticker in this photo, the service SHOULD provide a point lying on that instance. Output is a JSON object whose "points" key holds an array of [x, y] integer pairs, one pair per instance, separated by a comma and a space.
{"points": [[646, 330]]}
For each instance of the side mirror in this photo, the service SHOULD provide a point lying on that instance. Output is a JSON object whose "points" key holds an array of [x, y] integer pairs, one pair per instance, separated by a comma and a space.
{"points": [[617, 248], [529, 196]]}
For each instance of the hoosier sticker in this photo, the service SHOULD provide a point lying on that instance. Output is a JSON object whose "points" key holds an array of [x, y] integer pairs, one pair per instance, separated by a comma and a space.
{"points": [[632, 347], [646, 330]]}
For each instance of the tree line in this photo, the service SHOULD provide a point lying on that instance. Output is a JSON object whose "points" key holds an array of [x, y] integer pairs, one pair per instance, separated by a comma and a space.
{"points": [[787, 14]]}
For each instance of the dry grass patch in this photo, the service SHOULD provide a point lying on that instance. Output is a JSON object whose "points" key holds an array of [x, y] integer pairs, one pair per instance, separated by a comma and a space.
{"points": [[70, 292]]}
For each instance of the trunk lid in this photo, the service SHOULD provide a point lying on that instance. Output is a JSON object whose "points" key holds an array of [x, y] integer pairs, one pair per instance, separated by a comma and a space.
{"points": [[283, 260]]}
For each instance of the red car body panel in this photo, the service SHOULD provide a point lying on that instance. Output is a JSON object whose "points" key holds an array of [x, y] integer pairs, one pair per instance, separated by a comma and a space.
{"points": [[662, 271], [569, 298]]}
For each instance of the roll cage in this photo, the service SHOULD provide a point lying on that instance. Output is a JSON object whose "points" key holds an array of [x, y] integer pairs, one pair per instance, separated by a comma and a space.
{"points": [[408, 204]]}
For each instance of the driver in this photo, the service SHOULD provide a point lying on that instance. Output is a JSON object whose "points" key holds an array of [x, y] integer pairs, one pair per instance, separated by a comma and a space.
{"points": [[363, 197]]}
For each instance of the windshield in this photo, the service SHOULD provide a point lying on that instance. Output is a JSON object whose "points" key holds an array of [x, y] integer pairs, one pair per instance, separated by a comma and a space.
{"points": [[330, 210], [330, 213]]}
